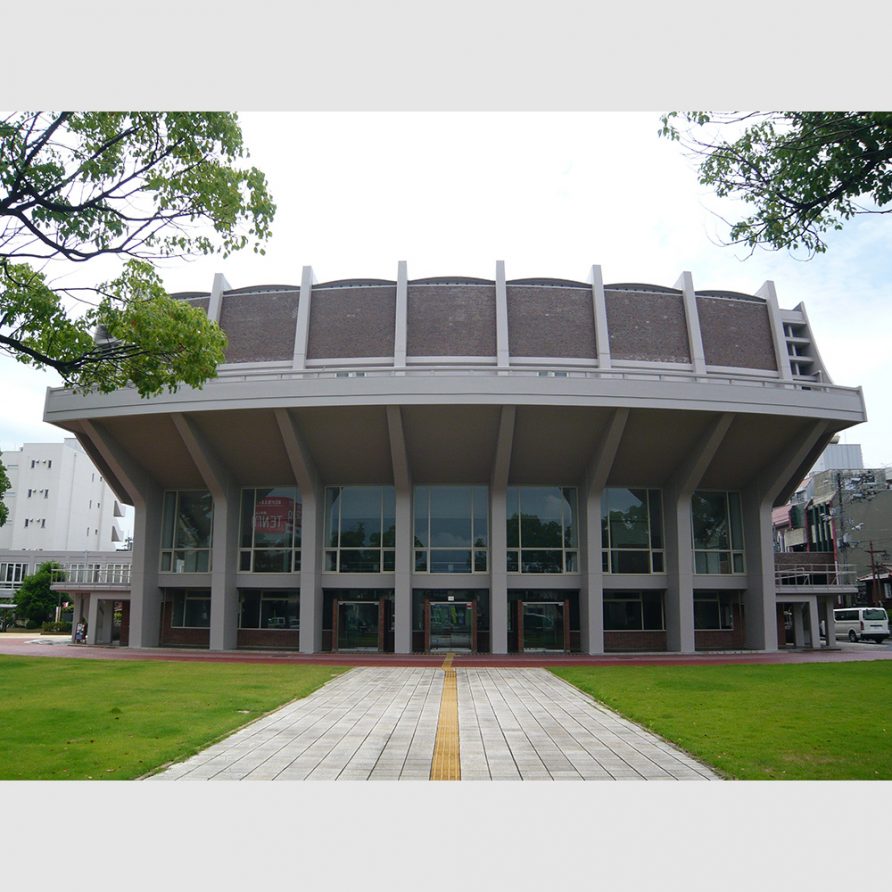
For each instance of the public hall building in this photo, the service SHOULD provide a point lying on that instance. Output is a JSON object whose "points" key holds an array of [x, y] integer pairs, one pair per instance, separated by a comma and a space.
{"points": [[469, 465]]}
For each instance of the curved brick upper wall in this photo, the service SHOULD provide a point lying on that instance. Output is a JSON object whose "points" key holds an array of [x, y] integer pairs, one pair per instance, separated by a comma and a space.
{"points": [[260, 325], [451, 320], [551, 321], [454, 316], [647, 326], [351, 322], [736, 332]]}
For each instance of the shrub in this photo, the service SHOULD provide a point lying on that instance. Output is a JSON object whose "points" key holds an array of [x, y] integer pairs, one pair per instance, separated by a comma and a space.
{"points": [[56, 628]]}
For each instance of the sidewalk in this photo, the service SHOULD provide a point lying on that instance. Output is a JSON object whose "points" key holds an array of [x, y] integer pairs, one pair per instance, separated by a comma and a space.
{"points": [[381, 724]]}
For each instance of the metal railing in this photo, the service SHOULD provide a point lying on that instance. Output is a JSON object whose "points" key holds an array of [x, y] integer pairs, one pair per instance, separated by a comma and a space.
{"points": [[92, 574], [814, 575], [273, 372]]}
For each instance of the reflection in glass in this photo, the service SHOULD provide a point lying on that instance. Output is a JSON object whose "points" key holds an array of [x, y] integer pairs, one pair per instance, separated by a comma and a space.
{"points": [[451, 529], [717, 528], [542, 527], [360, 524], [631, 530], [186, 531]]}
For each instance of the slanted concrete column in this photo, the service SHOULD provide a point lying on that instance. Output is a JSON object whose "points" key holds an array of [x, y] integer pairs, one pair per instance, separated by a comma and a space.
{"points": [[498, 534], [826, 610], [692, 317], [311, 532], [782, 355], [599, 305], [402, 582], [401, 322], [302, 325], [215, 304], [591, 598], [224, 545], [134, 486], [503, 352], [679, 603]]}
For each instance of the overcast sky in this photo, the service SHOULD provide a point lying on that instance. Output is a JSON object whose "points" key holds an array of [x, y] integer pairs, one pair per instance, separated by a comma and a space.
{"points": [[550, 194]]}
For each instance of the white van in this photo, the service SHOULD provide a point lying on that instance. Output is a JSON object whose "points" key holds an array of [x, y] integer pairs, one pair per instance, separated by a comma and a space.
{"points": [[860, 623]]}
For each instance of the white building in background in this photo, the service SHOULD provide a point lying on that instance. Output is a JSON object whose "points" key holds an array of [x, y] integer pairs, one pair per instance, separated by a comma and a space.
{"points": [[58, 501]]}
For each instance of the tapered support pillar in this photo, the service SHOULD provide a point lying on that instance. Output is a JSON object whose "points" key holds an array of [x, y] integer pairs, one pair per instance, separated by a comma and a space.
{"points": [[498, 538], [311, 534], [402, 584]]}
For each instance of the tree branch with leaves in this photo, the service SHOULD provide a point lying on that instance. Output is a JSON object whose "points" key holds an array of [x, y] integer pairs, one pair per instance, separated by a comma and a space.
{"points": [[804, 173], [140, 186]]}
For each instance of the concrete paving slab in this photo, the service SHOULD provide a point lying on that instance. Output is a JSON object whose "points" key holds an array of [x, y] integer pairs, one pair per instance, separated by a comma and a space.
{"points": [[380, 723]]}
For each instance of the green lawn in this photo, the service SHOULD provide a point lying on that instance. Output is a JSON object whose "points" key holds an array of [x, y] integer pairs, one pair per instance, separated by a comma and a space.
{"points": [[80, 719], [819, 721]]}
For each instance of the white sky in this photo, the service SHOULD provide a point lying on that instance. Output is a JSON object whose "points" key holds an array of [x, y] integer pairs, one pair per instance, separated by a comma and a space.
{"points": [[549, 193]]}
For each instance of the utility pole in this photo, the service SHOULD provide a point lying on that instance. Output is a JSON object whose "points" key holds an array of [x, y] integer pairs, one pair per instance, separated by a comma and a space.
{"points": [[875, 598]]}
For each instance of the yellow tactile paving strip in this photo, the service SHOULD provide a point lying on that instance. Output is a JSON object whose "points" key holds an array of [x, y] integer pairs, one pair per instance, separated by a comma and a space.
{"points": [[446, 764]]}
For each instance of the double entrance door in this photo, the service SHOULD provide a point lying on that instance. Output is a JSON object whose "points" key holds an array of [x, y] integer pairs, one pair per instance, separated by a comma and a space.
{"points": [[358, 625], [543, 626], [450, 625]]}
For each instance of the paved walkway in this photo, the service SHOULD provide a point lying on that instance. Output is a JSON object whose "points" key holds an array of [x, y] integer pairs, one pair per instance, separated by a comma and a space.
{"points": [[381, 724]]}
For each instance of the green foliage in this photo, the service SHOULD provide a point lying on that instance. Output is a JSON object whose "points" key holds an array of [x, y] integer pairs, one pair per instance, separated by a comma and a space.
{"points": [[113, 720], [4, 486], [35, 600], [54, 628], [141, 186], [818, 721], [804, 173]]}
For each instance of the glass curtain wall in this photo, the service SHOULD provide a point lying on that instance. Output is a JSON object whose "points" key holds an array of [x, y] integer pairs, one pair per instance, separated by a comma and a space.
{"points": [[717, 524], [632, 531], [360, 529], [277, 609], [186, 531], [451, 529], [270, 530], [633, 611], [541, 534]]}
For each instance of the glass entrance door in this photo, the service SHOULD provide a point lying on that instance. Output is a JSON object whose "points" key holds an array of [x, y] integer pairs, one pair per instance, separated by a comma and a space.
{"points": [[358, 625], [451, 625], [543, 625]]}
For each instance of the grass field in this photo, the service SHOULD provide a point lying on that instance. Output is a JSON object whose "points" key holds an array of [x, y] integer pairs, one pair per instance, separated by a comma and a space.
{"points": [[93, 719], [819, 721]]}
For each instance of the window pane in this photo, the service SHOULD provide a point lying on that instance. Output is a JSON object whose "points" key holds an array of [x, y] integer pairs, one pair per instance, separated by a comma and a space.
{"points": [[422, 495], [388, 501], [198, 612], [250, 612], [627, 518], [706, 613], [736, 518], [481, 516], [709, 514], [542, 512], [360, 516], [569, 494], [272, 561], [513, 514], [165, 560], [453, 561], [541, 561], [480, 561], [247, 515], [167, 525], [194, 520], [332, 514], [512, 562], [421, 561], [655, 501], [631, 561], [622, 615], [244, 563], [274, 515], [360, 561], [450, 516], [652, 603], [389, 557], [571, 562], [657, 561]]}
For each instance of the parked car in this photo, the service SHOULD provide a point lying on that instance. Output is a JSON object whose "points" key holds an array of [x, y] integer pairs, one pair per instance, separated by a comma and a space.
{"points": [[860, 623]]}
